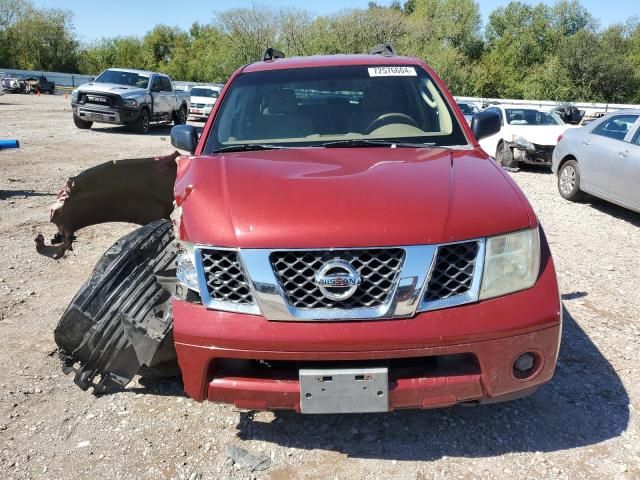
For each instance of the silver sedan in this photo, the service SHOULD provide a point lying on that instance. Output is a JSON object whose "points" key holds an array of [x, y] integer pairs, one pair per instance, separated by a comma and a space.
{"points": [[602, 159]]}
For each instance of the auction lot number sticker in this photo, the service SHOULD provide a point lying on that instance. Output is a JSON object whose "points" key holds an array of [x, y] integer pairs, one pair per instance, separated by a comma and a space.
{"points": [[392, 72]]}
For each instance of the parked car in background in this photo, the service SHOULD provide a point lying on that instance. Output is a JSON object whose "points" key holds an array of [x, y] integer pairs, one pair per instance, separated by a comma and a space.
{"points": [[129, 97], [13, 85], [41, 85], [602, 159], [28, 85], [203, 98], [468, 110], [591, 117], [569, 114], [528, 135]]}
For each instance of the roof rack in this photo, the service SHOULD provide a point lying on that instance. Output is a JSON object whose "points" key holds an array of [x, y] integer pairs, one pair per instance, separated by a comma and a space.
{"points": [[271, 54], [386, 49]]}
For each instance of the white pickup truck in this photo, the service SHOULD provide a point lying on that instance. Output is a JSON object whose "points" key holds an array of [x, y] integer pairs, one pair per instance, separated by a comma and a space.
{"points": [[129, 97]]}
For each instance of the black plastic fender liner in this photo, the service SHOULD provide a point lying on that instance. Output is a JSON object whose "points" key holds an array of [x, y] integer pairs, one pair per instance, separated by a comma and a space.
{"points": [[120, 323]]}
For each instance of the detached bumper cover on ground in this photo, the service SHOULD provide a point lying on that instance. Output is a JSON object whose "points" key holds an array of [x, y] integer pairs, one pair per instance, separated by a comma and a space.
{"points": [[137, 190]]}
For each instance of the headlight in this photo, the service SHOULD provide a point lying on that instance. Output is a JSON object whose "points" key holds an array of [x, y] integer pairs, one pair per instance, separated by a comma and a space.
{"points": [[525, 144], [130, 102], [511, 263], [185, 267], [74, 95]]}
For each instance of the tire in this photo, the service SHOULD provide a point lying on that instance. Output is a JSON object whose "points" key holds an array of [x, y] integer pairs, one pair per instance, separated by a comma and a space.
{"points": [[504, 156], [82, 124], [143, 123], [119, 324], [180, 117], [569, 181]]}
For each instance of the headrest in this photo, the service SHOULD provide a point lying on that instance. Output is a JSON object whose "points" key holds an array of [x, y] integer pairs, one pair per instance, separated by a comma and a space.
{"points": [[282, 100]]}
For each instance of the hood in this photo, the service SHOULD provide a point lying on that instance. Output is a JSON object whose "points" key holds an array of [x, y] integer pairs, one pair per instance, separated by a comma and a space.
{"points": [[345, 197], [540, 135], [111, 88], [205, 100]]}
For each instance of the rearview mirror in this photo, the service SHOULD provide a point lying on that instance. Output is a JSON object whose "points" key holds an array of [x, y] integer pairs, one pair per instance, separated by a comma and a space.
{"points": [[485, 124], [184, 137]]}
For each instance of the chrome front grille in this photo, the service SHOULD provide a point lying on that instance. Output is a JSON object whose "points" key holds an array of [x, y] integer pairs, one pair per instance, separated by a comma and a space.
{"points": [[298, 285], [453, 272], [378, 269], [224, 277]]}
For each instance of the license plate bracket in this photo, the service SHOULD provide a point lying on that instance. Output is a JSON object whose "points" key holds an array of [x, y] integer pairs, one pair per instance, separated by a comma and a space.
{"points": [[349, 390]]}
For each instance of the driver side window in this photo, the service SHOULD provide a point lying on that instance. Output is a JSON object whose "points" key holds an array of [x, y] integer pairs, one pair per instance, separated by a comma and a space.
{"points": [[616, 127], [156, 84]]}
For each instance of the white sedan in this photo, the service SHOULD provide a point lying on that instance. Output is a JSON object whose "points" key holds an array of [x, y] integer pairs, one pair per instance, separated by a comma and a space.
{"points": [[527, 135], [203, 98]]}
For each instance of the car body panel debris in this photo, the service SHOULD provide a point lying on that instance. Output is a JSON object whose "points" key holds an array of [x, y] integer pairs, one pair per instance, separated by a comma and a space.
{"points": [[120, 321], [138, 190], [245, 459]]}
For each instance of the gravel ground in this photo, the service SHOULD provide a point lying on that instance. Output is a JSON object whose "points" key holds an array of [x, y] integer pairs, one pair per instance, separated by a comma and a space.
{"points": [[583, 424]]}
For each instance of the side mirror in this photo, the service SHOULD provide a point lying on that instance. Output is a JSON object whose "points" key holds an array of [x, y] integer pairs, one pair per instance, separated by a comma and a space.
{"points": [[184, 137], [485, 124]]}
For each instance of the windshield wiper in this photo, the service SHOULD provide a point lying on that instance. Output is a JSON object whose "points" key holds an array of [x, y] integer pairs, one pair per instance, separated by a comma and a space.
{"points": [[361, 142], [247, 147]]}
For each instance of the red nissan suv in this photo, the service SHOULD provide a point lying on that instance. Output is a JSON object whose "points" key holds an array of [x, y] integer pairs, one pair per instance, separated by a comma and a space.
{"points": [[343, 245], [350, 248]]}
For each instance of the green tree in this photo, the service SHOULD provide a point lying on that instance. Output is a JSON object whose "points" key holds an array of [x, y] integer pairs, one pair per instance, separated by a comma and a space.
{"points": [[247, 32], [42, 40], [598, 65]]}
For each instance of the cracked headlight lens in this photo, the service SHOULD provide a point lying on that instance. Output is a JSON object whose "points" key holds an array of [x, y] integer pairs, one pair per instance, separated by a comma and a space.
{"points": [[186, 272], [511, 263]]}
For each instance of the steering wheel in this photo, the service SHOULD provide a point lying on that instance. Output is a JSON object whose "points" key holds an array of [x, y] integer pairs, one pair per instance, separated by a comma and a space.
{"points": [[386, 119]]}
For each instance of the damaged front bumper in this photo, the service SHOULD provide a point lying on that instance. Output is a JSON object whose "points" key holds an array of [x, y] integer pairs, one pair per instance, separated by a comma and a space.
{"points": [[534, 155]]}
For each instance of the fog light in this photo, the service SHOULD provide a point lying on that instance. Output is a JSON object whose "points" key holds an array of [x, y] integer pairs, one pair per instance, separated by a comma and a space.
{"points": [[525, 365]]}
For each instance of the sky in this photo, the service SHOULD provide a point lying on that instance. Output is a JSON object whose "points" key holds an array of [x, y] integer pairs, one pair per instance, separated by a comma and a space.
{"points": [[93, 21]]}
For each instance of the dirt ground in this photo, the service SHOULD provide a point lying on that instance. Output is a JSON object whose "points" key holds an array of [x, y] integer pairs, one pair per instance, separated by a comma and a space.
{"points": [[583, 424]]}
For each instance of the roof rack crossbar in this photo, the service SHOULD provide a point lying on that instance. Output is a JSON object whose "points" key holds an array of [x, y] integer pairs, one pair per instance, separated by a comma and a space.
{"points": [[271, 54], [386, 49]]}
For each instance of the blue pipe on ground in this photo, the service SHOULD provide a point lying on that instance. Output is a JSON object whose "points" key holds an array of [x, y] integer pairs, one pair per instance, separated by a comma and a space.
{"points": [[9, 144]]}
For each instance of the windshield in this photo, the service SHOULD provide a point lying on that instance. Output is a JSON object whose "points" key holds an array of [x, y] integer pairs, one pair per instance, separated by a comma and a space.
{"points": [[118, 77], [203, 92], [467, 109], [313, 106], [531, 117]]}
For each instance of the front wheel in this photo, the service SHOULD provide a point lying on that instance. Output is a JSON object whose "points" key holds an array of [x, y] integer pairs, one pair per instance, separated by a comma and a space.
{"points": [[180, 117], [82, 124], [143, 123], [569, 181]]}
